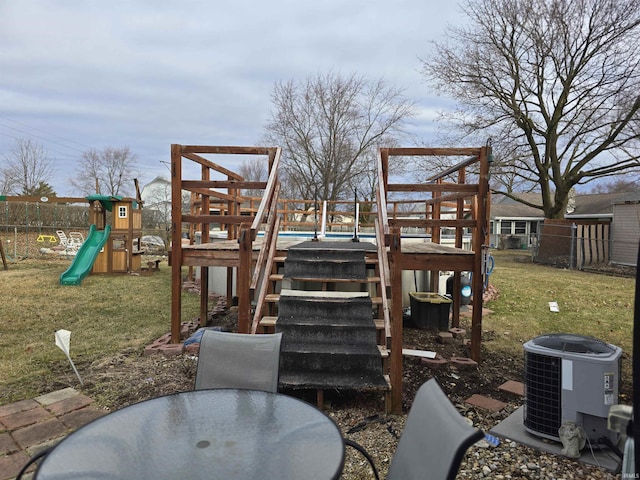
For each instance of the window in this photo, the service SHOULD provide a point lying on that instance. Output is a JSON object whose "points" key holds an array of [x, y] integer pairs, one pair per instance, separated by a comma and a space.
{"points": [[521, 227], [492, 228], [505, 228], [122, 211]]}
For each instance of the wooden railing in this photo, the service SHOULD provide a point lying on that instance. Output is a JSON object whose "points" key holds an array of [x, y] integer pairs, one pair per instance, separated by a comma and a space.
{"points": [[224, 209], [451, 204]]}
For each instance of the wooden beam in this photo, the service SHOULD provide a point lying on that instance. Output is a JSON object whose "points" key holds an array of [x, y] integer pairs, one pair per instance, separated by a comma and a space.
{"points": [[225, 219], [396, 323], [423, 222], [236, 184], [439, 152], [479, 244], [269, 193], [432, 187], [244, 279], [217, 149], [209, 164], [176, 243], [449, 262], [206, 193]]}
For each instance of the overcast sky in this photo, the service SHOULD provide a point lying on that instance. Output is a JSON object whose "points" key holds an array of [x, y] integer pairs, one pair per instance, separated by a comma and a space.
{"points": [[82, 74]]}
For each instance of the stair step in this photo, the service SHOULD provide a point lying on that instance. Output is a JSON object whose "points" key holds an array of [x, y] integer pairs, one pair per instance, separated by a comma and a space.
{"points": [[275, 297], [270, 322], [278, 277], [366, 364], [329, 348], [353, 335], [323, 380]]}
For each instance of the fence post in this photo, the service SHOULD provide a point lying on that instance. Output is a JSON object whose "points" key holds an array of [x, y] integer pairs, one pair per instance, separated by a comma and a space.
{"points": [[574, 236]]}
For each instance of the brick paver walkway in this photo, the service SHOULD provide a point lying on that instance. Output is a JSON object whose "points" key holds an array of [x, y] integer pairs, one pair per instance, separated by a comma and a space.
{"points": [[28, 426]]}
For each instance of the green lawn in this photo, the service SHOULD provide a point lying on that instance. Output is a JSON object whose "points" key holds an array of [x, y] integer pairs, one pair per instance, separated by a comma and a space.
{"points": [[111, 314], [591, 304], [106, 315]]}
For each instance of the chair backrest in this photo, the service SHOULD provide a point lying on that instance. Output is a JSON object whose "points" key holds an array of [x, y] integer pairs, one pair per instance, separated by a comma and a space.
{"points": [[63, 238], [239, 360], [434, 440]]}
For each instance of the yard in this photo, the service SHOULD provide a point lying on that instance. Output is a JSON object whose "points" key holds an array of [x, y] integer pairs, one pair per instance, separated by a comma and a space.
{"points": [[112, 318]]}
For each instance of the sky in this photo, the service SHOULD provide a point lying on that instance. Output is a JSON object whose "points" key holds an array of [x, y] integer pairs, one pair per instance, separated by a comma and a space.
{"points": [[77, 75]]}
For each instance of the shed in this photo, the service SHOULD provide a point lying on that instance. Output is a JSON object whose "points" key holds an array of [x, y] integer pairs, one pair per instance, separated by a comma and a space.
{"points": [[625, 233]]}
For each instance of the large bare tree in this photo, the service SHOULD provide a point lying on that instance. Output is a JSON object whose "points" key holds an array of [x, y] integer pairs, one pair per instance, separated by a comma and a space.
{"points": [[27, 169], [110, 172], [555, 83], [328, 127]]}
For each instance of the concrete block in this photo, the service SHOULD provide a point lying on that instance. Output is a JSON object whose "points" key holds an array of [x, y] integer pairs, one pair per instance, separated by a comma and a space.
{"points": [[7, 445], [434, 363], [463, 363], [57, 396], [457, 332], [511, 386], [69, 405], [445, 337], [34, 434], [22, 419], [486, 403], [15, 407]]}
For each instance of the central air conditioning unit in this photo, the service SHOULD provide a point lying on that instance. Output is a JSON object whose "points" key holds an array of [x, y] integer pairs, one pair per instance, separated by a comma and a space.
{"points": [[570, 377]]}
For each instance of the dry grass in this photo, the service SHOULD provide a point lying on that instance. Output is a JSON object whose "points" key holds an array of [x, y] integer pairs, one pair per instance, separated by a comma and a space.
{"points": [[109, 315], [590, 304], [106, 315]]}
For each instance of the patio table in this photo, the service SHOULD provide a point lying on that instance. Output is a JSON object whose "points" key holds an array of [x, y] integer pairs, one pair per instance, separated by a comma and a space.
{"points": [[222, 433]]}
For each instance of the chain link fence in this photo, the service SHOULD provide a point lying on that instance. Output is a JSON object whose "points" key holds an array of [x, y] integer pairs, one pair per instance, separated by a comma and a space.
{"points": [[27, 229]]}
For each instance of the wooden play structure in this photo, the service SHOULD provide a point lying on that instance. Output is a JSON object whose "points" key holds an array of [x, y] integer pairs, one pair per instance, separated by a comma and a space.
{"points": [[253, 249], [122, 251]]}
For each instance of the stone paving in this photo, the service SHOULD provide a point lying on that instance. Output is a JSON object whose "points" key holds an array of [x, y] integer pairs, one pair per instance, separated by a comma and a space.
{"points": [[28, 426]]}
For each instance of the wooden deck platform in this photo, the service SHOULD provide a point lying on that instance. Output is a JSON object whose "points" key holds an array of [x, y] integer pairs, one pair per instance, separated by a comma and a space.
{"points": [[414, 255]]}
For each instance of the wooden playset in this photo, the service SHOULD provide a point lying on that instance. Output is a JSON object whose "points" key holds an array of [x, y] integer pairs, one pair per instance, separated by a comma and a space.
{"points": [[121, 252]]}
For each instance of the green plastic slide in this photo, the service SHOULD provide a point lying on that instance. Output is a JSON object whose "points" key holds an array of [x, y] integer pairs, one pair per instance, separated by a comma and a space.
{"points": [[86, 256]]}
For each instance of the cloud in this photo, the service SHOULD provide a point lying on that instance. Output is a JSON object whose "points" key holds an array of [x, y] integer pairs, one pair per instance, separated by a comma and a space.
{"points": [[89, 74]]}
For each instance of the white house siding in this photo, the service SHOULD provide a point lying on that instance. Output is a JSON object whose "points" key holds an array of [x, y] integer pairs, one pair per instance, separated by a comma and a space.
{"points": [[625, 233]]}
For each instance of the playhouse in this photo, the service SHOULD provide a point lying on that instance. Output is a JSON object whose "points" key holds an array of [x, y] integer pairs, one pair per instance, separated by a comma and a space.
{"points": [[121, 252], [113, 243]]}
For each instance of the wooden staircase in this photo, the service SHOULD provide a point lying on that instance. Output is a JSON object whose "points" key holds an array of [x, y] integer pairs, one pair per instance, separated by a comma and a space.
{"points": [[329, 301]]}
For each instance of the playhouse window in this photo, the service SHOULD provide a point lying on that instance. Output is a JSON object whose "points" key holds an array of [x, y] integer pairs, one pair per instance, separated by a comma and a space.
{"points": [[122, 212]]}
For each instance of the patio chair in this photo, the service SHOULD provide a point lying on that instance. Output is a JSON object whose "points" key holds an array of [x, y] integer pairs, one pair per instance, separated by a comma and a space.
{"points": [[238, 360], [68, 242], [64, 240], [434, 440], [76, 239]]}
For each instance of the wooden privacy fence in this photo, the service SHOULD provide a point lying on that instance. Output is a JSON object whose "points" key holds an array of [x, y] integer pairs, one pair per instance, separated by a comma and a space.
{"points": [[592, 244], [574, 243]]}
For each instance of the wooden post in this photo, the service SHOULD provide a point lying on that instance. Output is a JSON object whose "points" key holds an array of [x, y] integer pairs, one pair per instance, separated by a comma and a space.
{"points": [[176, 242], [4, 258], [244, 279], [479, 244], [205, 207], [396, 322]]}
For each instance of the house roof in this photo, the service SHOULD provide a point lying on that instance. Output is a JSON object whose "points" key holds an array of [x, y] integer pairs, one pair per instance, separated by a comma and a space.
{"points": [[586, 205]]}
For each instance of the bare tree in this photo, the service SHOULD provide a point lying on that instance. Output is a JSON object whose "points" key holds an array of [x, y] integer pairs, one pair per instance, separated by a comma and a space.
{"points": [[254, 169], [110, 172], [27, 169], [328, 126], [617, 186], [557, 82]]}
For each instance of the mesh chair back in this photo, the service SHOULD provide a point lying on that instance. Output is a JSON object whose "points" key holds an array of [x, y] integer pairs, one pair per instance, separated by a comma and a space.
{"points": [[238, 360], [434, 440]]}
